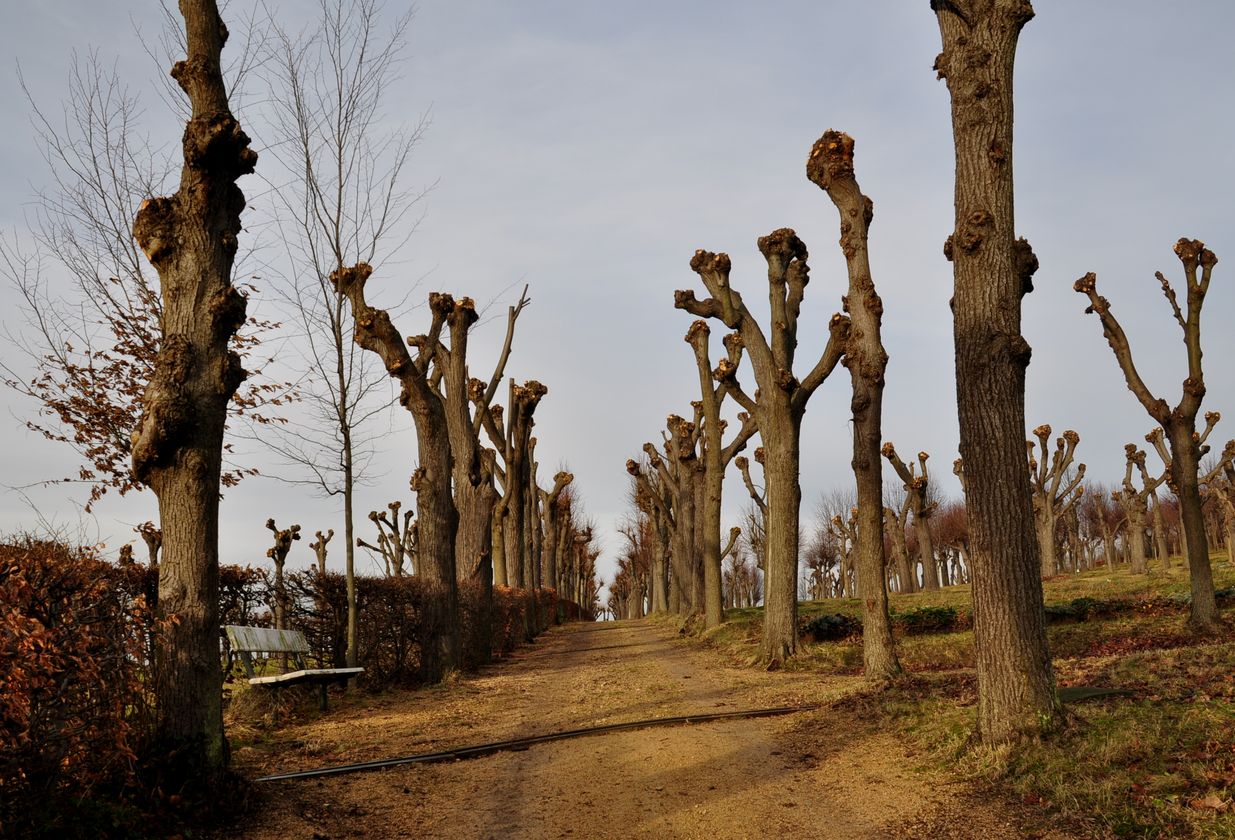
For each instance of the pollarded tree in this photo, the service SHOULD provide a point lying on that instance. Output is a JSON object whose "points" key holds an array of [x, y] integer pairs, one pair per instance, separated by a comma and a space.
{"points": [[467, 404], [436, 514], [522, 406], [716, 458], [756, 516], [1179, 422], [917, 488], [830, 167], [1225, 489], [191, 238], [678, 482], [779, 409], [396, 540], [1135, 505], [283, 538], [1156, 438], [895, 520], [551, 513], [1054, 493], [845, 532], [993, 270], [653, 501], [152, 536], [319, 549]]}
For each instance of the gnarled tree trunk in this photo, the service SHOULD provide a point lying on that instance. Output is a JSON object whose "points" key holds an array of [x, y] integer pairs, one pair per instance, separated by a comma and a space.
{"points": [[830, 166], [190, 238]]}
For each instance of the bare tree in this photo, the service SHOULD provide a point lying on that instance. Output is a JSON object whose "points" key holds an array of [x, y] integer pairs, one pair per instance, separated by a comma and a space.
{"points": [[675, 493], [993, 270], [1134, 502], [396, 539], [716, 458], [319, 549], [1226, 494], [916, 480], [1055, 489], [779, 409], [551, 512], [283, 538], [1179, 422], [845, 532], [653, 501], [511, 512], [436, 514], [93, 353], [756, 516], [895, 520], [342, 200], [152, 536], [191, 238], [830, 167]]}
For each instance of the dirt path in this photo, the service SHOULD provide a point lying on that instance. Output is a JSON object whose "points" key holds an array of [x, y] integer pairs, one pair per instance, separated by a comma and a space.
{"points": [[789, 777]]}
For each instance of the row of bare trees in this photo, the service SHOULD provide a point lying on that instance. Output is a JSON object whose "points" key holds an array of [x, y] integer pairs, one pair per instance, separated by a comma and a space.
{"points": [[679, 484], [1015, 496], [1089, 524]]}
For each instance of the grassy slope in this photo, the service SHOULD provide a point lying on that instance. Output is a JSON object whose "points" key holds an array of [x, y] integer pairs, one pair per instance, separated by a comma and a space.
{"points": [[1156, 762]]}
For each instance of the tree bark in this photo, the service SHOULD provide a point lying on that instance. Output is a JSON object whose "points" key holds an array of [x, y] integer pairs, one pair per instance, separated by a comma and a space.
{"points": [[190, 239], [436, 514], [992, 271], [830, 166]]}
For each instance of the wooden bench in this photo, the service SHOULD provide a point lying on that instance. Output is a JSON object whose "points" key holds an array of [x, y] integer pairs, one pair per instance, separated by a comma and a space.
{"points": [[247, 641]]}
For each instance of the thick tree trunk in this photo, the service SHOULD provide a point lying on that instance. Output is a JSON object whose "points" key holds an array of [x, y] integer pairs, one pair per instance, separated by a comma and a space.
{"points": [[1185, 463], [781, 446], [660, 571], [190, 238], [713, 483], [904, 573], [926, 551], [1135, 536], [1045, 529], [438, 523], [684, 551], [698, 576], [1016, 684], [1161, 546], [498, 545]]}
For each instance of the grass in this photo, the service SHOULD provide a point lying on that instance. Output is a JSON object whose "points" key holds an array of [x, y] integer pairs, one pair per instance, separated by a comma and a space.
{"points": [[1155, 762]]}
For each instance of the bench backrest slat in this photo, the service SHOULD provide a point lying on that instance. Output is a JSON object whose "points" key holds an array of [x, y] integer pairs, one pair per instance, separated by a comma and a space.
{"points": [[266, 640]]}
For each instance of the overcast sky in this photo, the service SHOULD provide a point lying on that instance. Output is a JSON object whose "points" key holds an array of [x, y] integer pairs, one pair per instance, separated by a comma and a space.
{"points": [[589, 148]]}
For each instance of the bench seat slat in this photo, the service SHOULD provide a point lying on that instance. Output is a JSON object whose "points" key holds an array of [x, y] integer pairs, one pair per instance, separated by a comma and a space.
{"points": [[307, 675]]}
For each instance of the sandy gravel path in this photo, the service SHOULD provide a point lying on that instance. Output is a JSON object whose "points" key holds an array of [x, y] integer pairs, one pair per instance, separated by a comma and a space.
{"points": [[798, 776]]}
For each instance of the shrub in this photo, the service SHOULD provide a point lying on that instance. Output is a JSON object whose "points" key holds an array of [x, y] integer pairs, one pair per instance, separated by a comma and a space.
{"points": [[921, 620], [831, 626], [72, 707]]}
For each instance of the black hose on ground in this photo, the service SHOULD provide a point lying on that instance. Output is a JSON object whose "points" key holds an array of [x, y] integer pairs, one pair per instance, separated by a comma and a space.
{"points": [[524, 743]]}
